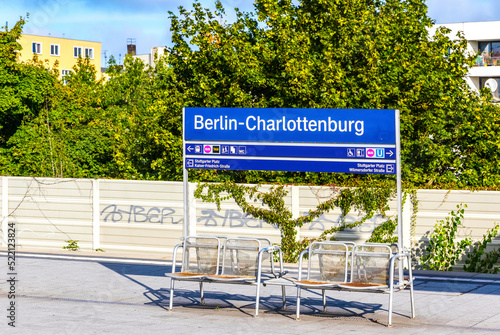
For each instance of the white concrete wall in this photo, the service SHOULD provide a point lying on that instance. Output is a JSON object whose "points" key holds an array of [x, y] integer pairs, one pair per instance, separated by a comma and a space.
{"points": [[145, 219]]}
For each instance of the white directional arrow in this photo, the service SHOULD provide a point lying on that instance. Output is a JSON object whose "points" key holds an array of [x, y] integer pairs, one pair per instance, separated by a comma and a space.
{"points": [[190, 148], [390, 153]]}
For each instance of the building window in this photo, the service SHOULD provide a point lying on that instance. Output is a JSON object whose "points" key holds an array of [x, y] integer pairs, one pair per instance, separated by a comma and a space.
{"points": [[89, 53], [77, 52], [493, 84], [489, 53], [54, 49], [37, 48], [64, 73]]}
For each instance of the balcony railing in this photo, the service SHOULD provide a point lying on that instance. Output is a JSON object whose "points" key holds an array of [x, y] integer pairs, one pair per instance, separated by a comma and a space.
{"points": [[487, 61]]}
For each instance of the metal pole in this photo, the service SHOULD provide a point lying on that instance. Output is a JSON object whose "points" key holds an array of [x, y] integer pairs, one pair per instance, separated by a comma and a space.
{"points": [[399, 195], [399, 191], [185, 179], [186, 203]]}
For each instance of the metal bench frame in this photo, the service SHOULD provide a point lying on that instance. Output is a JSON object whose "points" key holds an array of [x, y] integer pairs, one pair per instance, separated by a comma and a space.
{"points": [[222, 260], [352, 251]]}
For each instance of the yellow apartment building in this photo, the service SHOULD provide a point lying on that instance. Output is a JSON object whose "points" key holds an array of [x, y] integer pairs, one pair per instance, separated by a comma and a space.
{"points": [[64, 50]]}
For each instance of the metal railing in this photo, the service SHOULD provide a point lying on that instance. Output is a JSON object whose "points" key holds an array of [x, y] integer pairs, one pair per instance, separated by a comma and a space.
{"points": [[487, 61]]}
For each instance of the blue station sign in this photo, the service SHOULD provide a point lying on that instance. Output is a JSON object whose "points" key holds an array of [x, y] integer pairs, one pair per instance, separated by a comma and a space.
{"points": [[316, 140], [290, 125]]}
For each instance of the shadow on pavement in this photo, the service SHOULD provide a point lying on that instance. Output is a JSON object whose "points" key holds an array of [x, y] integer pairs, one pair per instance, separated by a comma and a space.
{"points": [[215, 300]]}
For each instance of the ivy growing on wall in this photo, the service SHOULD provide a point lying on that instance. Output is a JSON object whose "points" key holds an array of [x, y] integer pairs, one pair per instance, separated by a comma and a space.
{"points": [[270, 207]]}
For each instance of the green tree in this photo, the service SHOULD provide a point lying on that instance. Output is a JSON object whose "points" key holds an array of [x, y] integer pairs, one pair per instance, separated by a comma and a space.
{"points": [[24, 88], [83, 127], [147, 116], [70, 137], [338, 54], [64, 134]]}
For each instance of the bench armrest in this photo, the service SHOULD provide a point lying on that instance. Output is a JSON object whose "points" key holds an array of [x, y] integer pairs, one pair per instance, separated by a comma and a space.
{"points": [[174, 256], [271, 250], [301, 257], [399, 256]]}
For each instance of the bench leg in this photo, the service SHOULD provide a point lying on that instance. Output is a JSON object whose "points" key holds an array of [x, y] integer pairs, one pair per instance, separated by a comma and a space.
{"points": [[283, 296], [297, 317], [202, 294], [257, 299], [323, 294], [171, 299], [389, 321], [412, 302], [412, 298]]}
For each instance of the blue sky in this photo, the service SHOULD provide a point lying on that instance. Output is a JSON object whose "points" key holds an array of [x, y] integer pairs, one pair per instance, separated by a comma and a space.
{"points": [[112, 22]]}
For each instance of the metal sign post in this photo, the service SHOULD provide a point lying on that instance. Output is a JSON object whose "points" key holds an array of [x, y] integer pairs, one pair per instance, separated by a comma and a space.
{"points": [[288, 139], [399, 194]]}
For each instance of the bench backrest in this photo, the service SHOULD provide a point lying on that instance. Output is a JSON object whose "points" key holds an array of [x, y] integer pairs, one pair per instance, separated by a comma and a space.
{"points": [[201, 255], [240, 256], [371, 264], [327, 262]]}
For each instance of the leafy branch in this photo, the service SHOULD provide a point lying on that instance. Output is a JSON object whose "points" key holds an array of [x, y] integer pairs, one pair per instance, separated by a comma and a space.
{"points": [[478, 260], [443, 251]]}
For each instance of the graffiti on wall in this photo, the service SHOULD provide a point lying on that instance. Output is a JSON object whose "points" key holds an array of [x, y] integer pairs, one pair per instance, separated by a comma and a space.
{"points": [[231, 218], [166, 215], [139, 214]]}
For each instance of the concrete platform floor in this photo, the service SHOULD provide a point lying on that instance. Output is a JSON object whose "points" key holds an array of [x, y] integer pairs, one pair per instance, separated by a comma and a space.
{"points": [[98, 295]]}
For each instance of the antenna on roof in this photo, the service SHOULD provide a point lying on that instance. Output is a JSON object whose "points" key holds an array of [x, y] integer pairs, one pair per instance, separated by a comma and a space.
{"points": [[105, 58]]}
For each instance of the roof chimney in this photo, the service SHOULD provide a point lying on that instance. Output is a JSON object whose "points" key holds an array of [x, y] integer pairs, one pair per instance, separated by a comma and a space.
{"points": [[131, 48]]}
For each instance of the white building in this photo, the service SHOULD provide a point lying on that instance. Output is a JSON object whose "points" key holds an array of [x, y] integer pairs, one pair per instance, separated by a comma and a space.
{"points": [[156, 53], [483, 39]]}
